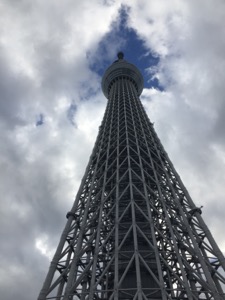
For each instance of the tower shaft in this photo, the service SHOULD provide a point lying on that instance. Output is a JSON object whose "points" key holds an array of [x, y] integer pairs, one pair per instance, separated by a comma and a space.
{"points": [[133, 231]]}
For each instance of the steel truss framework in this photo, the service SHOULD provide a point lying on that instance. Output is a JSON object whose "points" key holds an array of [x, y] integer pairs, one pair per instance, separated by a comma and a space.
{"points": [[133, 231]]}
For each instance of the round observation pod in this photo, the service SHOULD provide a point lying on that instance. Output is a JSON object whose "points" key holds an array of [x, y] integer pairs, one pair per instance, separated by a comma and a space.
{"points": [[122, 69]]}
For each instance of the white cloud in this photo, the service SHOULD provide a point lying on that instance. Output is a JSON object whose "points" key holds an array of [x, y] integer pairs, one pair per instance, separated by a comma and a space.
{"points": [[41, 244]]}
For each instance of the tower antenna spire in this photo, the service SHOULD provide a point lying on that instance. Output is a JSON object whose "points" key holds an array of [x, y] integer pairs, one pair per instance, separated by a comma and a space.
{"points": [[120, 55]]}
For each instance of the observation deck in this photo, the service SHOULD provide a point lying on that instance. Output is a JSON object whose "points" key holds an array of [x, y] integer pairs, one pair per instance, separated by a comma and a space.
{"points": [[122, 69]]}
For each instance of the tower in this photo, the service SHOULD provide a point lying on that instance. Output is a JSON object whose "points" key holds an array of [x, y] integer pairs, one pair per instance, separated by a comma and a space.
{"points": [[133, 231]]}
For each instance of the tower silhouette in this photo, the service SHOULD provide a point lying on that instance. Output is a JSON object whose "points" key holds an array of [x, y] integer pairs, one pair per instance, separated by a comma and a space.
{"points": [[133, 231]]}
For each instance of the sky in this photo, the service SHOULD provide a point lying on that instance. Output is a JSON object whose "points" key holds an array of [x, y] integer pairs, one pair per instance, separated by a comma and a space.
{"points": [[52, 57]]}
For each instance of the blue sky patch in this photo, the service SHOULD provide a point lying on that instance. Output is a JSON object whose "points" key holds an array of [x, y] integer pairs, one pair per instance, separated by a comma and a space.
{"points": [[127, 41], [40, 120], [71, 113]]}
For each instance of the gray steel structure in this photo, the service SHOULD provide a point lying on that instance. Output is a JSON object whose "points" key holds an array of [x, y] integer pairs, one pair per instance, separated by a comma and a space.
{"points": [[133, 231]]}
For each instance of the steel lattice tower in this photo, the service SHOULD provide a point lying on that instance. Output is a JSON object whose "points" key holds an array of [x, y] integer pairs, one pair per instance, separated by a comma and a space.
{"points": [[133, 231]]}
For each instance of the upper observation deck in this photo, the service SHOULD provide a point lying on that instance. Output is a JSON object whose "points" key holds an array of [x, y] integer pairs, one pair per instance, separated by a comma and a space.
{"points": [[122, 69]]}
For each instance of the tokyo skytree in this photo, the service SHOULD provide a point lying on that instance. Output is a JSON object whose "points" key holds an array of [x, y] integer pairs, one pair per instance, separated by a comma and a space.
{"points": [[133, 231]]}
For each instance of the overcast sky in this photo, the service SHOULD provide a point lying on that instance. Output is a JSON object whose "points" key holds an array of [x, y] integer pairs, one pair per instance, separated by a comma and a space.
{"points": [[52, 56]]}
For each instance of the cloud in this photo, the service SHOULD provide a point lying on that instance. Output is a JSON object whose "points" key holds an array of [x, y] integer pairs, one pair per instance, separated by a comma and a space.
{"points": [[47, 54]]}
